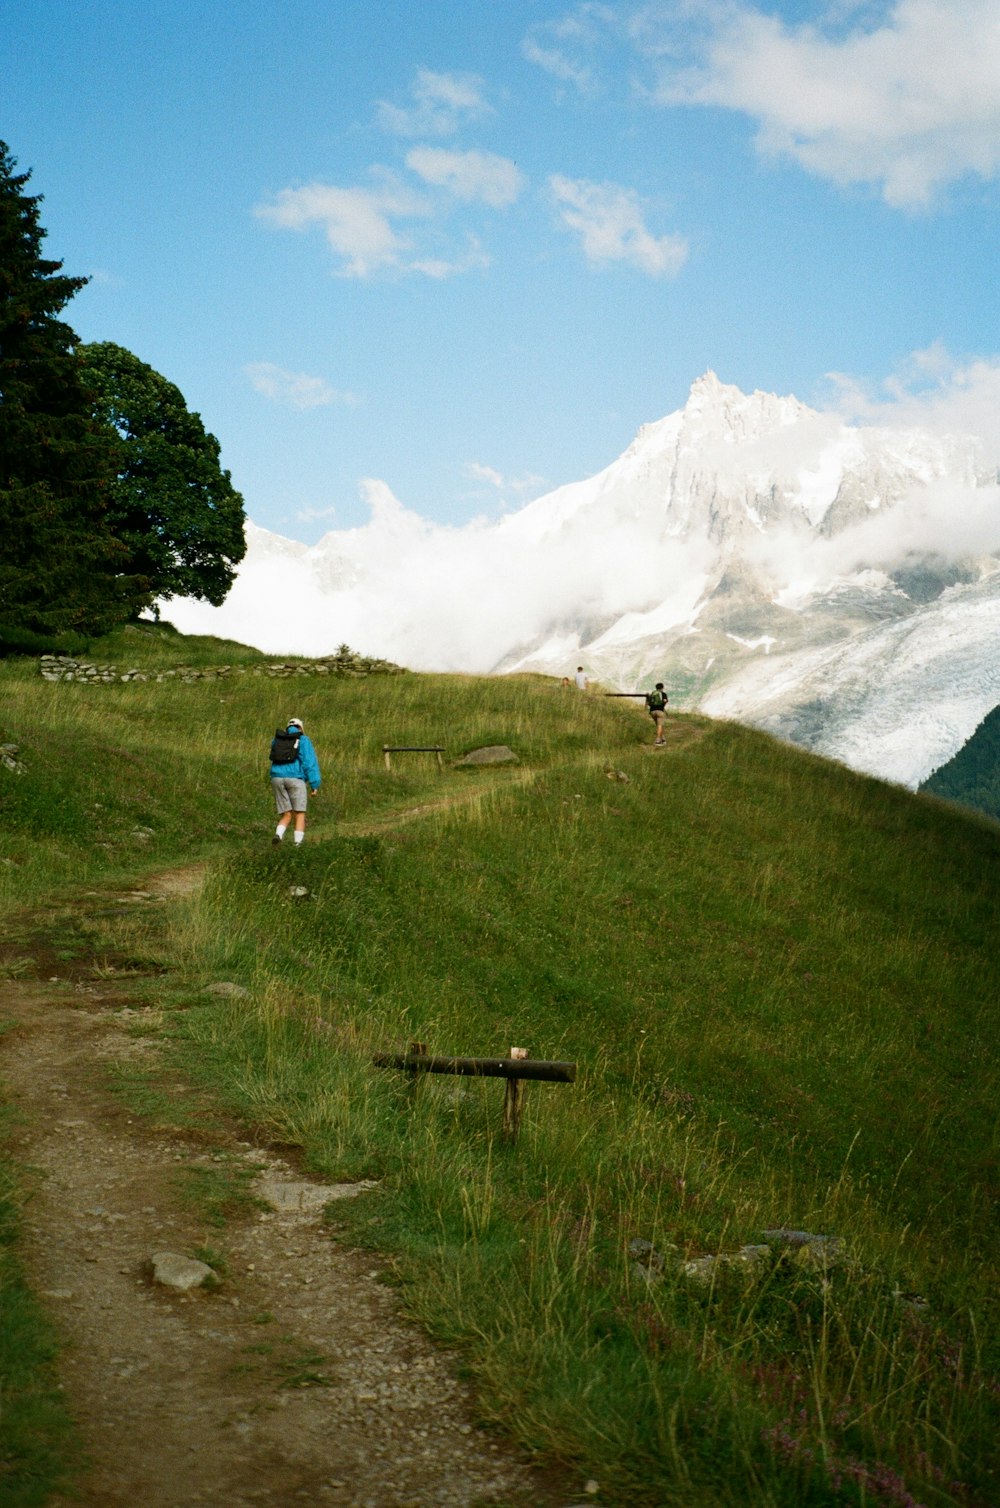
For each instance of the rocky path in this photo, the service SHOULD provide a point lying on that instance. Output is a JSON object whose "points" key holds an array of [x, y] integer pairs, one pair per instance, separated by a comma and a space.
{"points": [[296, 1380]]}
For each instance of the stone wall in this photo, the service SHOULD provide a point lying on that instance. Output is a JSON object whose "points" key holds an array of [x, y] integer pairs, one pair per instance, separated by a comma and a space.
{"points": [[94, 673]]}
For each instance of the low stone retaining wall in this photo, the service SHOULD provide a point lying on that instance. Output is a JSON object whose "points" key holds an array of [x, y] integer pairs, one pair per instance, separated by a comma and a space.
{"points": [[92, 673]]}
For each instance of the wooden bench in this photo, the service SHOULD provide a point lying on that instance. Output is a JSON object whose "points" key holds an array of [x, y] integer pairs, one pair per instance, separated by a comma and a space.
{"points": [[390, 749]]}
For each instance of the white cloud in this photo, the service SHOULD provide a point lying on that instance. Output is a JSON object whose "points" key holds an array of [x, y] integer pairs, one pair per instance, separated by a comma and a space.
{"points": [[441, 104], [610, 221], [909, 105], [480, 473], [573, 47], [435, 597], [358, 221], [362, 223], [470, 176], [560, 64], [503, 488], [294, 389], [931, 390]]}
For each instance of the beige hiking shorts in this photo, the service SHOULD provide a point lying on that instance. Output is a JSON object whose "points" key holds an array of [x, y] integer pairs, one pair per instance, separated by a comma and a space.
{"points": [[290, 795]]}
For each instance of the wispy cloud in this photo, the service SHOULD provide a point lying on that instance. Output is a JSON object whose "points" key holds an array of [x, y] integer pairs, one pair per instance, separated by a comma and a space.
{"points": [[611, 223], [504, 488], [440, 103], [488, 474], [294, 389], [359, 222], [472, 259], [469, 176], [572, 47], [908, 106]]}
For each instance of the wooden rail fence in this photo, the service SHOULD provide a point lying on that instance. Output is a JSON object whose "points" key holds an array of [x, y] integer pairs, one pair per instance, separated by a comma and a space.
{"points": [[515, 1069]]}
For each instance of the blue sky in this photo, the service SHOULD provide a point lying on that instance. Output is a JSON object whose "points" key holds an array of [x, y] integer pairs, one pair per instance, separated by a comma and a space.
{"points": [[467, 248]]}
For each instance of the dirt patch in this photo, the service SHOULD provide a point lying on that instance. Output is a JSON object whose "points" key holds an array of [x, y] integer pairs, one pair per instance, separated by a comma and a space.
{"points": [[295, 1379]]}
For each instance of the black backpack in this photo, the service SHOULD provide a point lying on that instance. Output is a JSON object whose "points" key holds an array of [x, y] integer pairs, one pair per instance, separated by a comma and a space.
{"points": [[284, 747]]}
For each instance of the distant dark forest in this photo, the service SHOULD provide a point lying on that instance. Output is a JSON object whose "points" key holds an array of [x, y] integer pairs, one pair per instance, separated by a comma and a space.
{"points": [[972, 776]]}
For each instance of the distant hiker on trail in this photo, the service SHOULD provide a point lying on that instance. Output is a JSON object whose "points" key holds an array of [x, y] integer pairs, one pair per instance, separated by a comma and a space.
{"points": [[657, 701], [294, 777], [581, 678]]}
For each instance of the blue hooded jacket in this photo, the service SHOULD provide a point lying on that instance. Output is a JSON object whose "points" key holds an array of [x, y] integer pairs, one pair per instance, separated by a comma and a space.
{"points": [[305, 767]]}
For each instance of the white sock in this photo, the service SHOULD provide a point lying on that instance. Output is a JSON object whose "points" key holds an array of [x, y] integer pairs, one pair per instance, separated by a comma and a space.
{"points": [[279, 833], [298, 838]]}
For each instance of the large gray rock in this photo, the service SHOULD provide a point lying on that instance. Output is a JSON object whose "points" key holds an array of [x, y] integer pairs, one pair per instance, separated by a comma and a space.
{"points": [[492, 754]]}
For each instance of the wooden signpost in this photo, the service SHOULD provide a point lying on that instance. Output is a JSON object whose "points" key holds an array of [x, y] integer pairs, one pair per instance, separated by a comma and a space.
{"points": [[515, 1069]]}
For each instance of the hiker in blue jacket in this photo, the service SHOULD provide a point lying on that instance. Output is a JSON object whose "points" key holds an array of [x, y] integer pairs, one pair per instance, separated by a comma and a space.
{"points": [[294, 777]]}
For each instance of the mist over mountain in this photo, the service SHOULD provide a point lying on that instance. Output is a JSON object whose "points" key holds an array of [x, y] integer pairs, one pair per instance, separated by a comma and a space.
{"points": [[836, 584]]}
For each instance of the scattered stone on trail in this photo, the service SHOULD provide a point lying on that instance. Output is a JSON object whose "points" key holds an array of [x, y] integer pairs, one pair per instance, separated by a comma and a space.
{"points": [[491, 754], [297, 892], [617, 775], [181, 1273], [227, 990], [294, 1196]]}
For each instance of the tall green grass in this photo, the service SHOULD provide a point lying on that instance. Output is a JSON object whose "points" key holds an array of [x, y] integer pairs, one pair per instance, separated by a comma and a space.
{"points": [[775, 977]]}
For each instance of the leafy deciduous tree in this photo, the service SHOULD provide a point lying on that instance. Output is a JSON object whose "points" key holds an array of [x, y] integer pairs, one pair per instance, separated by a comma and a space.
{"points": [[172, 505]]}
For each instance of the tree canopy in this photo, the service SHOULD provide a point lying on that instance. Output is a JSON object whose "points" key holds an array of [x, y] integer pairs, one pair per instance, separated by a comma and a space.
{"points": [[62, 568], [171, 504]]}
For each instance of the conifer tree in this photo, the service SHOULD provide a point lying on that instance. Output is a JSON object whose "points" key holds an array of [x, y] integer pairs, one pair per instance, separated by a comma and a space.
{"points": [[61, 567]]}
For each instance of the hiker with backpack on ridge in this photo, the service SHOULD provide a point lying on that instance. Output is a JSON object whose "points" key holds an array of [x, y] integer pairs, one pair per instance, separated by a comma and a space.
{"points": [[656, 702], [294, 778]]}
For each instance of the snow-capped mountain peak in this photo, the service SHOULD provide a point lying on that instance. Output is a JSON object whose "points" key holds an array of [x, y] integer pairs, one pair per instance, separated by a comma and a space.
{"points": [[749, 550]]}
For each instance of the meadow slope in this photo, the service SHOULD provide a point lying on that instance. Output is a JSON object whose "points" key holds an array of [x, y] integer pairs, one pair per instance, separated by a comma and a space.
{"points": [[775, 977]]}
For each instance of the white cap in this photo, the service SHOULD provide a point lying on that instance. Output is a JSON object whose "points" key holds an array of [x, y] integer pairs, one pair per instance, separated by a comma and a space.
{"points": [[295, 722]]}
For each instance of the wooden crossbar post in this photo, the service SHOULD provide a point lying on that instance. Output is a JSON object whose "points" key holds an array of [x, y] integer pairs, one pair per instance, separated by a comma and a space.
{"points": [[513, 1100], [416, 1050], [517, 1068]]}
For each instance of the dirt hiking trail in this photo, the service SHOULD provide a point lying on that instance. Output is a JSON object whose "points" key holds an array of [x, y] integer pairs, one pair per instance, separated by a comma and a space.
{"points": [[296, 1380]]}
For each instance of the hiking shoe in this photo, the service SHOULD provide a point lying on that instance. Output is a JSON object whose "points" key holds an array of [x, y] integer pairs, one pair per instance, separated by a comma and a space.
{"points": [[275, 841]]}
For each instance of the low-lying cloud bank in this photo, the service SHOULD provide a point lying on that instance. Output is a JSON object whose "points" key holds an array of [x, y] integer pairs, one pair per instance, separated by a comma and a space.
{"points": [[467, 599]]}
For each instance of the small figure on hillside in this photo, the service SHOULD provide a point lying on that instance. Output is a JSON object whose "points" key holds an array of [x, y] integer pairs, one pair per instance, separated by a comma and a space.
{"points": [[656, 702], [565, 681], [581, 678], [294, 777]]}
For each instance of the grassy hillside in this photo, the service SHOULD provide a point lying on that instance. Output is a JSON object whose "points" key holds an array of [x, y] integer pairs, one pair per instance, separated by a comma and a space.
{"points": [[775, 978]]}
